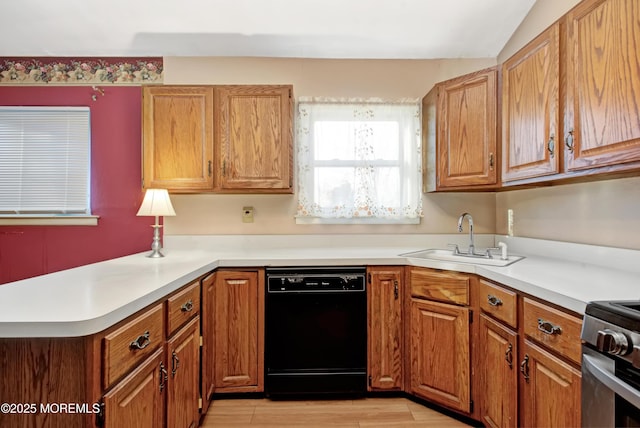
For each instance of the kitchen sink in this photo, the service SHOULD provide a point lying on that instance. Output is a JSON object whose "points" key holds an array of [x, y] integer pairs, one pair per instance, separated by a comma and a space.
{"points": [[448, 256]]}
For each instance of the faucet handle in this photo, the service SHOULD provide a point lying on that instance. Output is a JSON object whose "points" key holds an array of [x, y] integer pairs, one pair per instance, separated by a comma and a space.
{"points": [[456, 250], [488, 254]]}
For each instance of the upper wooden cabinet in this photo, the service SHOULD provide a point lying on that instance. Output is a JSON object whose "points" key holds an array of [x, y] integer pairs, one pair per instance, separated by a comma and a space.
{"points": [[254, 138], [530, 106], [460, 132], [177, 138], [227, 139], [571, 96], [603, 84]]}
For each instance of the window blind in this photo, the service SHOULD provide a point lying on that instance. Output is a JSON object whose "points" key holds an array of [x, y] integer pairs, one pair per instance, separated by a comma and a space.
{"points": [[45, 157]]}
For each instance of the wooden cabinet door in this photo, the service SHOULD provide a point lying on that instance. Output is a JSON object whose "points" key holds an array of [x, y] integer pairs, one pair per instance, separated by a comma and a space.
{"points": [[530, 109], [384, 301], [440, 369], [499, 373], [138, 400], [255, 138], [183, 392], [207, 353], [177, 138], [467, 130], [603, 83], [549, 390], [239, 331]]}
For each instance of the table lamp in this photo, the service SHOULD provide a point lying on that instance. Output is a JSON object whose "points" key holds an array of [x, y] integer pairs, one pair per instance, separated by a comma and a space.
{"points": [[156, 203]]}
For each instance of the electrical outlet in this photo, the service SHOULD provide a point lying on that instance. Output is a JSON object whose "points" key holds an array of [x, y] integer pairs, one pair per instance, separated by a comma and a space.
{"points": [[510, 222], [247, 214]]}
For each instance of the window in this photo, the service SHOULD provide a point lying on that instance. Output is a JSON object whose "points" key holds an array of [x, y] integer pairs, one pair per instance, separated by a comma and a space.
{"points": [[358, 162], [45, 157]]}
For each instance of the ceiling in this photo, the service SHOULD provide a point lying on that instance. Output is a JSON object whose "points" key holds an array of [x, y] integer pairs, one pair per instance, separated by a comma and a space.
{"points": [[394, 29]]}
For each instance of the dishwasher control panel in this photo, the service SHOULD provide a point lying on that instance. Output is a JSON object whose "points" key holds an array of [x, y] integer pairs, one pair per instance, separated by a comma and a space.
{"points": [[296, 280]]}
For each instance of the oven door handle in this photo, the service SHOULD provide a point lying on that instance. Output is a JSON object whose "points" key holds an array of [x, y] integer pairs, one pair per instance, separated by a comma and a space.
{"points": [[608, 379]]}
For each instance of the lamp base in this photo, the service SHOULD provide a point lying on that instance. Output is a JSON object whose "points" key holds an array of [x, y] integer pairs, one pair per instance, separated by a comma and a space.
{"points": [[155, 254], [156, 246]]}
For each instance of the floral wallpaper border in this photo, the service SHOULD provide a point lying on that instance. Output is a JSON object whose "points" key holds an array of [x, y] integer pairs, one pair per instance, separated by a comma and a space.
{"points": [[79, 71]]}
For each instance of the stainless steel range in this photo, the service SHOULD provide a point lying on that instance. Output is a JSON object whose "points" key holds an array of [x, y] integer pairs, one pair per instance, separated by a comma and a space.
{"points": [[611, 364]]}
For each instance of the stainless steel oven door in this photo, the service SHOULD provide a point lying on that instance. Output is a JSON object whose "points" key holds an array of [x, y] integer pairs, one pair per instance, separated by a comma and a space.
{"points": [[607, 400]]}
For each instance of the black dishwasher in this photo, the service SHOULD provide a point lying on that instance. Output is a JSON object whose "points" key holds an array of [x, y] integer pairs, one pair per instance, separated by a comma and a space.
{"points": [[316, 331]]}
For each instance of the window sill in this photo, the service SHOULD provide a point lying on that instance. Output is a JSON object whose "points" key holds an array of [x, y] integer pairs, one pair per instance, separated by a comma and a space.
{"points": [[49, 220], [355, 220]]}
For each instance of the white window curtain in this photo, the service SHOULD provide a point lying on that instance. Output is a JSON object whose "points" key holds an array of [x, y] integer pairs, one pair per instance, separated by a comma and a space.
{"points": [[358, 161], [45, 158]]}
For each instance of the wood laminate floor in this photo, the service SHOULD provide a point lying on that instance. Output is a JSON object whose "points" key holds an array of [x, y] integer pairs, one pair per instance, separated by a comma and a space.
{"points": [[366, 412]]}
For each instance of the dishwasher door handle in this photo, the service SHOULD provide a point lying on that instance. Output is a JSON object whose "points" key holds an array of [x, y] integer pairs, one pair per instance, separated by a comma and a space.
{"points": [[609, 379]]}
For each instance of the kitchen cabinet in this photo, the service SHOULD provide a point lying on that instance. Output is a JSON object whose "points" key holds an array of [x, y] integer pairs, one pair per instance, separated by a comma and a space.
{"points": [[603, 84], [530, 109], [385, 342], [439, 332], [498, 370], [165, 388], [207, 354], [498, 355], [183, 366], [460, 133], [550, 390], [178, 138], [582, 123], [254, 144], [238, 330], [138, 400], [223, 139]]}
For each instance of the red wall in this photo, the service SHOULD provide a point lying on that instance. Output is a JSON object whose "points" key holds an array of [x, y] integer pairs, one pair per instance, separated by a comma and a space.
{"points": [[116, 193]]}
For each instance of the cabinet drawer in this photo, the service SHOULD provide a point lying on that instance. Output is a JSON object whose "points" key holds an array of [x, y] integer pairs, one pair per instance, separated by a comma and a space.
{"points": [[183, 306], [443, 286], [499, 302], [555, 329], [130, 344]]}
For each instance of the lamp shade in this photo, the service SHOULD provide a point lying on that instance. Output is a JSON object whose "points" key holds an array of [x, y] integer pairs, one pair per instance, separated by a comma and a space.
{"points": [[156, 203]]}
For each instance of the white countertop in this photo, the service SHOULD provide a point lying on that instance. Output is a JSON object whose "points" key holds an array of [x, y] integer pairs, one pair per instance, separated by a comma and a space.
{"points": [[91, 298]]}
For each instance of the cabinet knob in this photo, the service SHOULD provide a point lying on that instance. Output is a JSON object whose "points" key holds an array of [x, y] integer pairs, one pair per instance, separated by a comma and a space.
{"points": [[187, 306], [395, 290]]}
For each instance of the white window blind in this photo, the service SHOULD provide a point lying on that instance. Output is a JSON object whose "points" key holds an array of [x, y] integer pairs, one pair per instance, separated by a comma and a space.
{"points": [[358, 161], [45, 156]]}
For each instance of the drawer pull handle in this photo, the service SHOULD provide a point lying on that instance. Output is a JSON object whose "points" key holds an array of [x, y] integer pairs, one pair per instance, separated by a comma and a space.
{"points": [[547, 328], [395, 290], [551, 146], [163, 376], [524, 368], [508, 356], [187, 307], [493, 300], [568, 141], [141, 342], [175, 363]]}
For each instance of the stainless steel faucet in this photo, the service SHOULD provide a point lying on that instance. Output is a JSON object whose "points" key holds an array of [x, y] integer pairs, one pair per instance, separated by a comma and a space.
{"points": [[472, 247]]}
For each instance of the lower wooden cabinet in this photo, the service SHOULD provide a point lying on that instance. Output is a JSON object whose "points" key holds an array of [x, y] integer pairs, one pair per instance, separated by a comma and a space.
{"points": [[138, 399], [385, 343], [207, 380], [439, 354], [550, 389], [498, 371], [183, 366], [238, 330]]}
